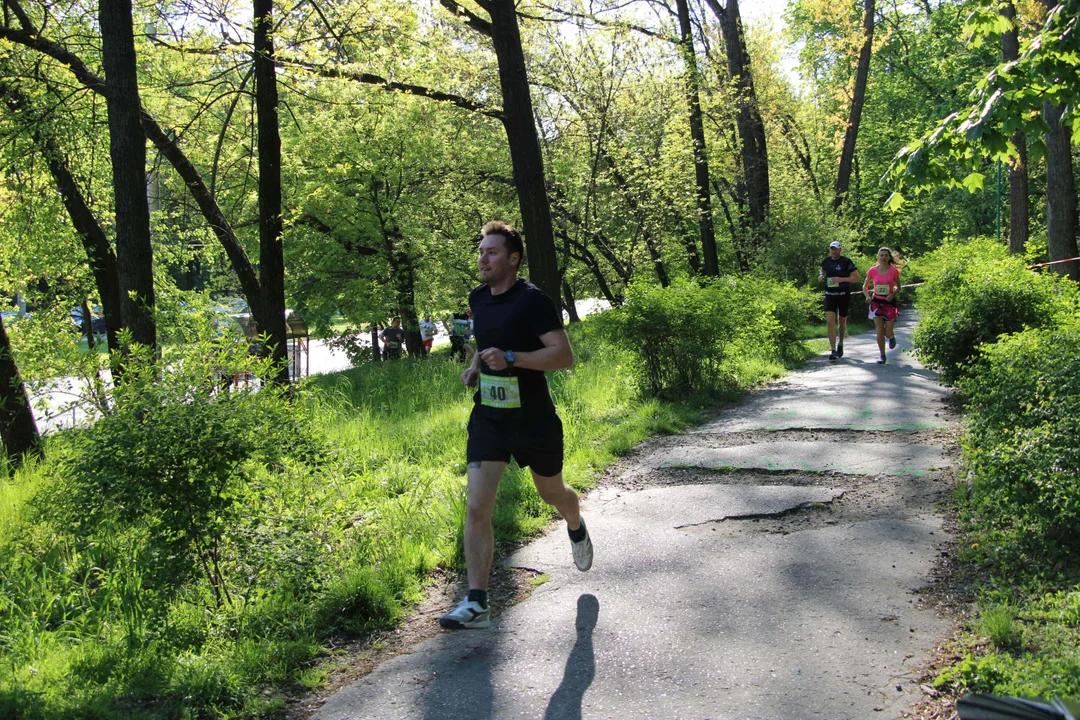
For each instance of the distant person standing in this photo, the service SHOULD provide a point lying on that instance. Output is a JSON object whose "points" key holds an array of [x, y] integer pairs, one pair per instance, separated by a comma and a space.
{"points": [[882, 284], [459, 336], [393, 338], [837, 272], [427, 332]]}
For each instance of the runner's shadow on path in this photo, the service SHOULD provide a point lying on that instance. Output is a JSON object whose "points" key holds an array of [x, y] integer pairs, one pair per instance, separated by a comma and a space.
{"points": [[580, 666]]}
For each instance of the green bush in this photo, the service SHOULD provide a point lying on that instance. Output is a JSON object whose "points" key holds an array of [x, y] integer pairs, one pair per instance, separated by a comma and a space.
{"points": [[975, 292], [1021, 442], [684, 338], [167, 469]]}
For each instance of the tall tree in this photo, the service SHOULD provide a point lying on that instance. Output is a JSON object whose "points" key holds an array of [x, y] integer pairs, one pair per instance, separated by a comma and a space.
{"points": [[127, 149], [751, 128], [858, 98], [271, 252], [692, 82], [1018, 178], [17, 427], [1061, 210], [1060, 192], [520, 125]]}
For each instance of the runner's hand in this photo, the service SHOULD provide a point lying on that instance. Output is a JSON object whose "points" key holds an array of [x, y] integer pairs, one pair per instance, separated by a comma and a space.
{"points": [[494, 358], [470, 376]]}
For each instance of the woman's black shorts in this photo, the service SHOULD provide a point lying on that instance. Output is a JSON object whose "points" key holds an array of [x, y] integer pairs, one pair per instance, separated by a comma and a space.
{"points": [[499, 434]]}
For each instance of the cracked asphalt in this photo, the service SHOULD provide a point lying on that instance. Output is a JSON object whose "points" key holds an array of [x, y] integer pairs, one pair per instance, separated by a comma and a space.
{"points": [[767, 565]]}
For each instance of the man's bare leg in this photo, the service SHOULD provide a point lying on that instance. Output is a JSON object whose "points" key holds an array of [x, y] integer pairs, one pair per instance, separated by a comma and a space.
{"points": [[484, 480], [830, 318], [843, 329], [554, 491]]}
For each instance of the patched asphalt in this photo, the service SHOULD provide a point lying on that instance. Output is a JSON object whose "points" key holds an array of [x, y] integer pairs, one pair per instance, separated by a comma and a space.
{"points": [[726, 585]]}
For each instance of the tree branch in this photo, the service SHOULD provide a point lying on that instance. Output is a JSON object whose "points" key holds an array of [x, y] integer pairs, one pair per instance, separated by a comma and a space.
{"points": [[471, 19], [327, 71]]}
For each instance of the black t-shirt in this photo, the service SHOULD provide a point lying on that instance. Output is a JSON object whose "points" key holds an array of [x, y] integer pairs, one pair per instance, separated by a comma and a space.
{"points": [[840, 267], [393, 337], [515, 320]]}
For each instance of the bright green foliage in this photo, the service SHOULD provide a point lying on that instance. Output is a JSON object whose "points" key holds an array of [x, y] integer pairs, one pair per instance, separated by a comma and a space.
{"points": [[690, 337], [1008, 99], [1041, 660], [975, 292], [172, 458], [105, 611], [1021, 444]]}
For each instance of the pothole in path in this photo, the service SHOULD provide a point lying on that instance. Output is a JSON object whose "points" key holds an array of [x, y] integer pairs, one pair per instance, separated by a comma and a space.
{"points": [[753, 437], [864, 499]]}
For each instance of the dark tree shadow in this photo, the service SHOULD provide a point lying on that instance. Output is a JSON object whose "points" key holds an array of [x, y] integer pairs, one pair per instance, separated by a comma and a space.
{"points": [[580, 666]]}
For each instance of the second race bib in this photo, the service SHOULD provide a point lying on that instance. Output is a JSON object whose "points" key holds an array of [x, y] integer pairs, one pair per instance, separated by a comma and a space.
{"points": [[882, 290], [499, 392]]}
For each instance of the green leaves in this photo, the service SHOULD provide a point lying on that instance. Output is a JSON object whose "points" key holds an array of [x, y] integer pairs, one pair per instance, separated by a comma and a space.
{"points": [[1009, 99]]}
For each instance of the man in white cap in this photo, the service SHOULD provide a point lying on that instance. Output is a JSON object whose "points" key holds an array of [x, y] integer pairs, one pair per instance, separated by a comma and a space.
{"points": [[837, 272]]}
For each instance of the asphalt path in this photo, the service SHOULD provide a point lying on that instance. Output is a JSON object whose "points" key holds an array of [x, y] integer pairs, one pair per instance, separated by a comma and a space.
{"points": [[770, 564]]}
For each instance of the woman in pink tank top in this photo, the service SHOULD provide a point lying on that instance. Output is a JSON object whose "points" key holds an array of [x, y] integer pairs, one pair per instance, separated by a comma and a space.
{"points": [[880, 288]]}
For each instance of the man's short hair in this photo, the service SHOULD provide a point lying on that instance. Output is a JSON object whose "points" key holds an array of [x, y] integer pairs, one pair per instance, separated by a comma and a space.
{"points": [[514, 243]]}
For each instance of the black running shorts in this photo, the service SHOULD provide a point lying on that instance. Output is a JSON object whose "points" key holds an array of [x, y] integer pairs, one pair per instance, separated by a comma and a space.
{"points": [[838, 303], [535, 442]]}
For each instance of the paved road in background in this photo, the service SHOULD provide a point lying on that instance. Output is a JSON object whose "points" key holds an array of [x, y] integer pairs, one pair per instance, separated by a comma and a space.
{"points": [[769, 564]]}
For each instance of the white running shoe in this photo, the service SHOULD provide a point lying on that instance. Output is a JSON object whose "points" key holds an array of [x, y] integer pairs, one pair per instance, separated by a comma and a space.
{"points": [[468, 615], [582, 552]]}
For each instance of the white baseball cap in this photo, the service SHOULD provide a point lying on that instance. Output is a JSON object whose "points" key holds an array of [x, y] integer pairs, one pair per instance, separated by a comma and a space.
{"points": [[835, 243]]}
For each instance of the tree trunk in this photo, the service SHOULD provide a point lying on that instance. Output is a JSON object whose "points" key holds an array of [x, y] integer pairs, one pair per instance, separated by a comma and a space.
{"points": [[127, 149], [571, 305], [858, 98], [1018, 179], [692, 258], [17, 427], [525, 154], [697, 134], [751, 128], [1060, 193], [98, 251], [271, 251], [376, 355]]}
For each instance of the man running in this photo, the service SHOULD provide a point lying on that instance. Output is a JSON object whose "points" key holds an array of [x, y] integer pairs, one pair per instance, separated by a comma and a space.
{"points": [[427, 333], [519, 335], [459, 329], [393, 337], [836, 272]]}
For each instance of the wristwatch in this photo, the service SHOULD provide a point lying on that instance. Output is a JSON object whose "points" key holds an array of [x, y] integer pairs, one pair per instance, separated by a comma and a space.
{"points": [[510, 358]]}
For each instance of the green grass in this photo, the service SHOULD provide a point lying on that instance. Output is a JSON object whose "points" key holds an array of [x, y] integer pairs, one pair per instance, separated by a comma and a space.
{"points": [[337, 545]]}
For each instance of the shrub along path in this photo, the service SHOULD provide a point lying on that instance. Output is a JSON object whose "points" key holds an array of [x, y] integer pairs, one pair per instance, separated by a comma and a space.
{"points": [[768, 564]]}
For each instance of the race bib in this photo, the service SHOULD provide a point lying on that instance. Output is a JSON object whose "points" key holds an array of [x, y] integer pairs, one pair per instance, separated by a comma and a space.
{"points": [[392, 345], [832, 282], [882, 290], [499, 392]]}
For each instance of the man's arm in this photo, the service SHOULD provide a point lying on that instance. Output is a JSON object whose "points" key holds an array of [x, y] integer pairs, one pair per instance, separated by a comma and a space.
{"points": [[854, 277], [472, 373], [555, 355]]}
